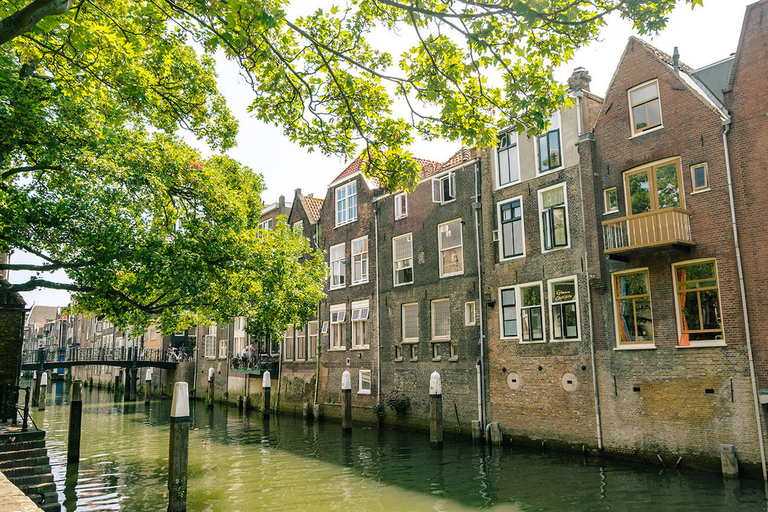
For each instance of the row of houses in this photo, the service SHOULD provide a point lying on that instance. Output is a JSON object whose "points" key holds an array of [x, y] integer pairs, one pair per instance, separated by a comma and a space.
{"points": [[594, 287]]}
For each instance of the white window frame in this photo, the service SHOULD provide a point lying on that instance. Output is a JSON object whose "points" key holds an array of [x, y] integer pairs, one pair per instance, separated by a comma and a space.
{"points": [[632, 126], [438, 188], [345, 211], [432, 319], [312, 337], [337, 327], [408, 237], [521, 307], [515, 295], [363, 257], [360, 312], [289, 347], [266, 225], [441, 249], [551, 296], [541, 192], [510, 147], [210, 346], [536, 147], [501, 228], [338, 266], [364, 376], [403, 307], [222, 349], [470, 313], [401, 206]]}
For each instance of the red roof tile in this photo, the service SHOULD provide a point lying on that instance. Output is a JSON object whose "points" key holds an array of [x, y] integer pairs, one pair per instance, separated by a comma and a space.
{"points": [[312, 206]]}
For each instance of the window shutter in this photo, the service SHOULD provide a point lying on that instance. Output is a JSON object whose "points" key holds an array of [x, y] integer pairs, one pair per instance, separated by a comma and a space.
{"points": [[436, 191]]}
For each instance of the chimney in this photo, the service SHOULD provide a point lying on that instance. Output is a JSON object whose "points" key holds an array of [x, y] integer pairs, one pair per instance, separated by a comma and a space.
{"points": [[676, 60], [298, 191], [579, 80], [281, 203]]}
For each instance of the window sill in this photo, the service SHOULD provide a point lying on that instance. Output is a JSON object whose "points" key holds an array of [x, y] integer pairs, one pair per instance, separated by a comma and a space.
{"points": [[704, 344], [453, 359], [437, 359], [638, 346], [505, 185], [452, 274], [414, 359], [655, 129], [512, 258], [555, 249], [402, 284], [510, 338], [470, 325], [611, 212], [569, 340], [337, 287], [338, 349], [410, 342], [358, 283], [447, 339], [549, 171], [398, 359], [345, 223], [532, 342], [441, 203], [402, 217], [361, 347], [364, 392], [700, 191]]}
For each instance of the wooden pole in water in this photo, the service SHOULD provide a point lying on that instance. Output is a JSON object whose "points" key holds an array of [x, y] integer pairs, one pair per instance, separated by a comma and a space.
{"points": [[127, 388], [75, 422], [346, 402], [43, 387], [178, 449], [435, 410], [117, 383], [266, 386], [211, 377], [147, 386]]}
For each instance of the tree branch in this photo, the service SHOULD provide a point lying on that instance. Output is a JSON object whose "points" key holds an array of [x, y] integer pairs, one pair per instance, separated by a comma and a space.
{"points": [[25, 20]]}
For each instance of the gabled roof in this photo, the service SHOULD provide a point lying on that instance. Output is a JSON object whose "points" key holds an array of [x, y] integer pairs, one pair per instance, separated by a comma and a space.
{"points": [[42, 314], [465, 154], [312, 206], [715, 76], [428, 168]]}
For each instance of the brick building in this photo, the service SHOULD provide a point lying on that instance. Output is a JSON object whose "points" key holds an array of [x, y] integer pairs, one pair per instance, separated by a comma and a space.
{"points": [[672, 363], [536, 296]]}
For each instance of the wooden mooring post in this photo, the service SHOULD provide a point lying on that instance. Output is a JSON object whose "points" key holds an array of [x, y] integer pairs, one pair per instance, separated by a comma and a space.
{"points": [[266, 386], [346, 402], [435, 410], [43, 387], [75, 423], [178, 449], [211, 377], [147, 386]]}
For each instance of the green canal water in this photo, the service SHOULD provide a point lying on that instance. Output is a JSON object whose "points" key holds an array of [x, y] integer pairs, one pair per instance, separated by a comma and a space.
{"points": [[238, 462]]}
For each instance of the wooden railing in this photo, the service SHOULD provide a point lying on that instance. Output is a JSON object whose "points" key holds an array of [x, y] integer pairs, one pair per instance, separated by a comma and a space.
{"points": [[658, 227]]}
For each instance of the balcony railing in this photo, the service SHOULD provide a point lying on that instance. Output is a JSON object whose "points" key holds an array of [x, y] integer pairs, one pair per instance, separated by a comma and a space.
{"points": [[669, 226]]}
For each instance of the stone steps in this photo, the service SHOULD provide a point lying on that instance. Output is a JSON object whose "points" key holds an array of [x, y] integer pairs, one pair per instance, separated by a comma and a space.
{"points": [[24, 461]]}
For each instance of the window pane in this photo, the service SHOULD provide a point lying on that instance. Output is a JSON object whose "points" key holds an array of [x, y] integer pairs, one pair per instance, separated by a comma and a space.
{"points": [[654, 112], [644, 319], [571, 327], [641, 118], [557, 322], [537, 332], [699, 177], [560, 228], [531, 296], [639, 193], [543, 152], [626, 320], [410, 321], [666, 183], [441, 319], [632, 284], [554, 149], [611, 200], [450, 235], [553, 197], [565, 291], [644, 93]]}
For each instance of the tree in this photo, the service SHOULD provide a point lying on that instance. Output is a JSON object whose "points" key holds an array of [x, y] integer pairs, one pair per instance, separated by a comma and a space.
{"points": [[93, 179]]}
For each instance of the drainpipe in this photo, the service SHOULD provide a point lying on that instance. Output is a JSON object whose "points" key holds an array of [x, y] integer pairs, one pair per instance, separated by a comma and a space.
{"points": [[481, 366], [752, 376], [378, 323], [319, 325]]}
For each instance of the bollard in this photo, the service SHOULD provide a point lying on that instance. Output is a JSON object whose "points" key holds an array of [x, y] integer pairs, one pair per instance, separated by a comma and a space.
{"points": [[134, 380], [75, 421], [477, 431], [127, 386], [266, 386], [178, 449], [35, 387], [435, 410], [43, 387], [346, 402], [211, 377], [495, 433], [728, 461], [317, 411], [307, 411], [147, 386]]}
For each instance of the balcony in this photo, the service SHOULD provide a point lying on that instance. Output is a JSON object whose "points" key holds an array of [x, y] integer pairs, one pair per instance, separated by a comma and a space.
{"points": [[635, 233]]}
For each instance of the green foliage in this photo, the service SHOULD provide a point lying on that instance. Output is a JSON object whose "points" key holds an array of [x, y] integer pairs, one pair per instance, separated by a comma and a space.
{"points": [[378, 410], [398, 402]]}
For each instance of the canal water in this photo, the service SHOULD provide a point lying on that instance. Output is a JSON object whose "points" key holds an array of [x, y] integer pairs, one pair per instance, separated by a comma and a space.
{"points": [[238, 462]]}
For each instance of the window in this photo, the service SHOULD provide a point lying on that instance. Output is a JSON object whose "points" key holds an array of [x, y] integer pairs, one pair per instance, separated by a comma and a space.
{"points": [[443, 188], [451, 254], [365, 382], [359, 320], [548, 146], [565, 317], [346, 203], [645, 107], [554, 217], [698, 302], [402, 259], [699, 177], [238, 346], [325, 327], [511, 225], [289, 349], [360, 260], [469, 313], [441, 319], [312, 348], [401, 206], [633, 307], [337, 266], [611, 200], [410, 318], [508, 313], [210, 346], [338, 316], [222, 349], [267, 224], [531, 317], [653, 187], [301, 343], [509, 166], [298, 227]]}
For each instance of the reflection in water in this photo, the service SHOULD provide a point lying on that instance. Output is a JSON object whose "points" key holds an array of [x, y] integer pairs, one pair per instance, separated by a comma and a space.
{"points": [[240, 461]]}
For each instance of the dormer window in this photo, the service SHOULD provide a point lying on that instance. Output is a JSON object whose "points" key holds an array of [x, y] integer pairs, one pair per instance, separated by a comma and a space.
{"points": [[645, 107], [443, 188], [346, 203]]}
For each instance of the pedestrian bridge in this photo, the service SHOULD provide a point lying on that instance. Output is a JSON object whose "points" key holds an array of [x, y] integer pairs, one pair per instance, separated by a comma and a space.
{"points": [[126, 357]]}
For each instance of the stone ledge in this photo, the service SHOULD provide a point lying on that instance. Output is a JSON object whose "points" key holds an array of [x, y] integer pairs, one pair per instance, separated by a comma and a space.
{"points": [[13, 500]]}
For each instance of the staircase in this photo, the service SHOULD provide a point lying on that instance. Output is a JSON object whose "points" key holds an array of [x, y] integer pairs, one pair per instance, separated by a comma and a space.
{"points": [[24, 461]]}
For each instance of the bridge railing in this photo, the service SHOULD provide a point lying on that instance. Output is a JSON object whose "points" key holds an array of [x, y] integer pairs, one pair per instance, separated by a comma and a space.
{"points": [[154, 355]]}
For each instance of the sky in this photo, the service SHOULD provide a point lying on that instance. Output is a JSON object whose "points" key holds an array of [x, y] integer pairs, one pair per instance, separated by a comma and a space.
{"points": [[703, 35]]}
